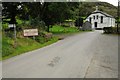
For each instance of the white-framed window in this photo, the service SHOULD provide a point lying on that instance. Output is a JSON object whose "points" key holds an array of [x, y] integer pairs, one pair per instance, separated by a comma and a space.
{"points": [[101, 19], [97, 16], [94, 17], [90, 19]]}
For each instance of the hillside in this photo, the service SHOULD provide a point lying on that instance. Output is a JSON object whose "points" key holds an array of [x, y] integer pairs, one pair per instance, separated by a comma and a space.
{"points": [[87, 7]]}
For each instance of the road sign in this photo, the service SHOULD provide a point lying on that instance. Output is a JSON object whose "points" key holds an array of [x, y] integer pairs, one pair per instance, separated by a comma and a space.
{"points": [[11, 25], [30, 32]]}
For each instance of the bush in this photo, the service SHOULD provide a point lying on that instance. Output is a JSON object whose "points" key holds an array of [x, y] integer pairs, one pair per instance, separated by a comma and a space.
{"points": [[43, 37], [6, 51], [4, 26], [40, 39], [48, 36], [107, 29], [9, 32], [79, 22], [111, 30], [7, 48], [38, 23]]}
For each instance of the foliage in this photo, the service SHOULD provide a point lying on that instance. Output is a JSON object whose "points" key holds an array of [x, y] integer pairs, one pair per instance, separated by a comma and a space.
{"points": [[79, 22], [87, 8], [7, 48], [23, 45], [43, 37], [57, 13], [4, 26], [10, 10], [37, 15], [40, 39], [37, 23], [109, 30], [53, 12]]}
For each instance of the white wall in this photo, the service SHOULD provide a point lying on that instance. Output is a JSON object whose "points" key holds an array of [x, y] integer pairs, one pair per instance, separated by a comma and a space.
{"points": [[111, 22], [107, 21]]}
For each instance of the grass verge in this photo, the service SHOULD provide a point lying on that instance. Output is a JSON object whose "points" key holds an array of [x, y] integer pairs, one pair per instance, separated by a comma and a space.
{"points": [[24, 45], [28, 44]]}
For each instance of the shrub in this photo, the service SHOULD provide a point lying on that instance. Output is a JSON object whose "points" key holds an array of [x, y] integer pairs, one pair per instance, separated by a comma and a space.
{"points": [[79, 22], [40, 39], [48, 36], [7, 48], [38, 23], [111, 30], [9, 33], [114, 30], [107, 29], [4, 26], [43, 37]]}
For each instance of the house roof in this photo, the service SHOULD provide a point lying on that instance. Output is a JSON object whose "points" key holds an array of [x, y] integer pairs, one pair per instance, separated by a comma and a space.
{"points": [[97, 11]]}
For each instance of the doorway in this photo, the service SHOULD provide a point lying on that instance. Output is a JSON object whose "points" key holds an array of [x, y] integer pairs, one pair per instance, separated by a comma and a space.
{"points": [[95, 24]]}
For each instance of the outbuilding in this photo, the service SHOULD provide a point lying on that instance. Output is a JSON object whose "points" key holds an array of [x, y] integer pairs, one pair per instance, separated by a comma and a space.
{"points": [[100, 19]]}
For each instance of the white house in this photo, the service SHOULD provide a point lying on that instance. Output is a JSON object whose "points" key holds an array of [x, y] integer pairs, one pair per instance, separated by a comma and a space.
{"points": [[100, 19]]}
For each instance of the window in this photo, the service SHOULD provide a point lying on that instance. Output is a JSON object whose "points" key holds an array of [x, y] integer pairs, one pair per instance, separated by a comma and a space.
{"points": [[90, 19], [94, 17], [101, 19], [97, 16]]}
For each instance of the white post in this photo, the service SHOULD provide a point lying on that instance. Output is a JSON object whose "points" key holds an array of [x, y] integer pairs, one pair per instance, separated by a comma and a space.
{"points": [[33, 37], [14, 35]]}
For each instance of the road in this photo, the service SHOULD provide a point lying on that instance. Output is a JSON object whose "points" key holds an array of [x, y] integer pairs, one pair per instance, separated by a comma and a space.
{"points": [[84, 55]]}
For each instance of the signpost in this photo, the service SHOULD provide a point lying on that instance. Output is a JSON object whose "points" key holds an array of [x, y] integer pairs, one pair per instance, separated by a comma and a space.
{"points": [[31, 32], [13, 26]]}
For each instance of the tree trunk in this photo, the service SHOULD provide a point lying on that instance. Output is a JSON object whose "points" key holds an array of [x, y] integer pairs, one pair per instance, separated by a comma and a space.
{"points": [[48, 28]]}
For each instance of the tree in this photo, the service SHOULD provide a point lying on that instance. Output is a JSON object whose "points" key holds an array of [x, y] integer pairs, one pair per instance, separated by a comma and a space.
{"points": [[79, 22], [58, 12], [55, 12], [10, 10], [50, 13]]}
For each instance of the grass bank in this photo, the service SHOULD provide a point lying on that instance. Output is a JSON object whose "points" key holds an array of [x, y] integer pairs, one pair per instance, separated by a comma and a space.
{"points": [[23, 45], [63, 32], [28, 44], [56, 29]]}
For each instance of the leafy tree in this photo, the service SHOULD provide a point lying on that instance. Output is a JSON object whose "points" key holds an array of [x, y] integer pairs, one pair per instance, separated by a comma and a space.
{"points": [[10, 10], [79, 22], [57, 13]]}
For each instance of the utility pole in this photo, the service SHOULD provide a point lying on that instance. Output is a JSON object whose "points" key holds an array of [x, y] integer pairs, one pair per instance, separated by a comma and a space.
{"points": [[118, 16]]}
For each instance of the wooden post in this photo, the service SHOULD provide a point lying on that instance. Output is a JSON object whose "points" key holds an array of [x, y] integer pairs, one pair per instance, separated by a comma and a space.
{"points": [[33, 37], [27, 39]]}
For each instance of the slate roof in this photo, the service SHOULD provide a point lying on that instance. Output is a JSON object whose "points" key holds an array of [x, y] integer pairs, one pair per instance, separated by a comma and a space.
{"points": [[97, 11]]}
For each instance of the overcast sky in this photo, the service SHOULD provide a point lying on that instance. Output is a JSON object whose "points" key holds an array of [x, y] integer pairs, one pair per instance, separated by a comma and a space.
{"points": [[114, 2]]}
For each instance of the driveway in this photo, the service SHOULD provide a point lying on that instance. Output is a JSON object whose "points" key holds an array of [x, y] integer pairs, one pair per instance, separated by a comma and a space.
{"points": [[85, 55]]}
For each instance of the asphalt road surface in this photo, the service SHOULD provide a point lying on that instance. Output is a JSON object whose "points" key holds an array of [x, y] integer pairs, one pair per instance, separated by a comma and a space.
{"points": [[85, 55]]}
